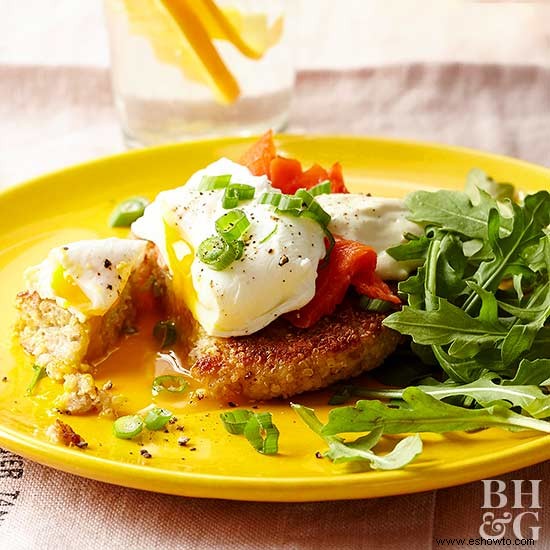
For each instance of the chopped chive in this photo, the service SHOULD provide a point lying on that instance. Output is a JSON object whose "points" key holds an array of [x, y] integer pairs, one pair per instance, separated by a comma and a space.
{"points": [[210, 183], [157, 418], [262, 434], [127, 212], [232, 225], [323, 188], [235, 421], [127, 427], [170, 383], [166, 333], [38, 374]]}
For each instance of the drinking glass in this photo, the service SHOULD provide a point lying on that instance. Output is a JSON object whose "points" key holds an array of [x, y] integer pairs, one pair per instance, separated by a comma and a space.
{"points": [[179, 71]]}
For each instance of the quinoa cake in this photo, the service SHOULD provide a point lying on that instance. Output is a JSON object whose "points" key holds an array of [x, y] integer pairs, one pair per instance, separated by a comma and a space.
{"points": [[63, 339]]}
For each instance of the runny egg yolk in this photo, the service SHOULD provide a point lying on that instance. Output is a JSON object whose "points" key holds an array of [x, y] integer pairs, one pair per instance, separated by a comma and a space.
{"points": [[180, 257], [65, 287]]}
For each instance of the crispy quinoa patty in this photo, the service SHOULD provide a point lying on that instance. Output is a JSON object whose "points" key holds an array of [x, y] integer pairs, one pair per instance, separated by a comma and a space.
{"points": [[282, 360]]}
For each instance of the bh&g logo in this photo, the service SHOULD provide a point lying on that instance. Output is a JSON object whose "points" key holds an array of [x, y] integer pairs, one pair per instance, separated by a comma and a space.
{"points": [[526, 500]]}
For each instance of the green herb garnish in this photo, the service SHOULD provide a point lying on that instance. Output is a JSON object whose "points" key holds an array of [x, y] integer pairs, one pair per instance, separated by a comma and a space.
{"points": [[218, 254], [323, 188], [236, 192], [422, 413], [372, 304], [211, 183], [221, 250], [477, 311], [360, 450], [38, 374], [127, 427], [170, 383], [157, 418], [127, 212], [166, 333], [232, 225], [235, 421], [258, 428]]}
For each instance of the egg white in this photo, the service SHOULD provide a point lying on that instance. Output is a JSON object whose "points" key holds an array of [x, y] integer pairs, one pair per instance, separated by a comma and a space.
{"points": [[86, 277]]}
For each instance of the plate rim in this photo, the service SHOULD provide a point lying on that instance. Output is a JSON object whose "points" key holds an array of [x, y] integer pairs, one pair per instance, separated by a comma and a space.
{"points": [[272, 489]]}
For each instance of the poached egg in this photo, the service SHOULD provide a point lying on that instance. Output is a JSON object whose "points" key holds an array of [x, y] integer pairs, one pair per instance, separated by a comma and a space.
{"points": [[276, 273], [86, 277]]}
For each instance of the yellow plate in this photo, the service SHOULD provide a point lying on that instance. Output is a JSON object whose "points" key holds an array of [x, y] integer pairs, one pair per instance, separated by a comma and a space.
{"points": [[75, 203]]}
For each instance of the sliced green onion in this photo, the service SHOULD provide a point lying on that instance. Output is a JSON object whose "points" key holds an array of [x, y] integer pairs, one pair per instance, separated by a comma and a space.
{"points": [[294, 212], [330, 247], [305, 196], [238, 247], [372, 304], [322, 188], [38, 374], [232, 225], [210, 183], [269, 235], [289, 202], [230, 199], [235, 421], [315, 211], [170, 383], [216, 253], [270, 198], [127, 427], [127, 212], [166, 333], [262, 434], [236, 192], [157, 418]]}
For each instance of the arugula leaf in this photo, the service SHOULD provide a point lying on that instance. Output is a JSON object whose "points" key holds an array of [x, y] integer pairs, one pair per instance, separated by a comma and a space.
{"points": [[453, 211], [414, 249], [535, 372], [448, 323], [528, 224], [484, 390], [424, 413], [359, 450], [478, 179]]}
